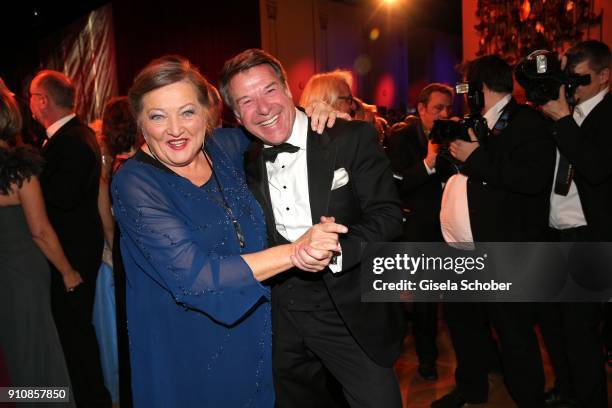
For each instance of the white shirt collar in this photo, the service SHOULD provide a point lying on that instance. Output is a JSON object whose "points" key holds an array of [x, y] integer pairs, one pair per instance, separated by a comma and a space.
{"points": [[587, 106], [298, 132], [493, 114], [51, 130]]}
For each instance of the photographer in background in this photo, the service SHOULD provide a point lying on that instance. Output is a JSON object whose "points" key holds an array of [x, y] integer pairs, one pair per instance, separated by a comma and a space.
{"points": [[413, 159], [581, 207], [501, 195]]}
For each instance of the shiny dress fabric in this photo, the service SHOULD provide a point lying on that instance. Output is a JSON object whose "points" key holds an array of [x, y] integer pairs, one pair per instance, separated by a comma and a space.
{"points": [[198, 322]]}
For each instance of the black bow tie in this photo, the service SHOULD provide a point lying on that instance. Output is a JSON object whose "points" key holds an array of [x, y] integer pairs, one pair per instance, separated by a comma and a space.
{"points": [[270, 153]]}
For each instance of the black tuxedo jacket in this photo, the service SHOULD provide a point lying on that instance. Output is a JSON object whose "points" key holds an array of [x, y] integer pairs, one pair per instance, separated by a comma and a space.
{"points": [[70, 183], [367, 204], [510, 179], [420, 192], [587, 148]]}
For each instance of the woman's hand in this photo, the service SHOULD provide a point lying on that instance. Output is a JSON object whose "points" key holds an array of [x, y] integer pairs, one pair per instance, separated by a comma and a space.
{"points": [[321, 113], [72, 279]]}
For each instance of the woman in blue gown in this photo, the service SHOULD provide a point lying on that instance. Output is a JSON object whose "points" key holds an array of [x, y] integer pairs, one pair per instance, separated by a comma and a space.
{"points": [[192, 240]]}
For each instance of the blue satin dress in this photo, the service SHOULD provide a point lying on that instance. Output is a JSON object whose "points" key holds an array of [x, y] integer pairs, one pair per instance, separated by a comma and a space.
{"points": [[199, 323]]}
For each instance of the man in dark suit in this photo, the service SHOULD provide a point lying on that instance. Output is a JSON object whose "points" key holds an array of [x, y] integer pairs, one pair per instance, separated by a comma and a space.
{"points": [[501, 195], [70, 183], [413, 161], [581, 210], [320, 324]]}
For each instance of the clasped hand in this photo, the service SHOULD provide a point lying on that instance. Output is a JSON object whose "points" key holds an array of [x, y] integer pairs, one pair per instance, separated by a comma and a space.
{"points": [[461, 150], [315, 249]]}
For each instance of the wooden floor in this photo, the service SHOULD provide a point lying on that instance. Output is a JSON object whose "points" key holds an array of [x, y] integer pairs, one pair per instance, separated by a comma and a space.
{"points": [[418, 393]]}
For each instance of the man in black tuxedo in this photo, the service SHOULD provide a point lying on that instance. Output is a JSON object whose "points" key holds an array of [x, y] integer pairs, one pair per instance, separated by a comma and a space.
{"points": [[413, 161], [70, 183], [320, 325], [500, 195], [581, 210]]}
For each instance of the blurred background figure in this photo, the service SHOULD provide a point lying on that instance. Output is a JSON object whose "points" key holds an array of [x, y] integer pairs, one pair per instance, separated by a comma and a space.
{"points": [[119, 139], [369, 113], [413, 160], [29, 338], [31, 133], [70, 182], [333, 88], [216, 107]]}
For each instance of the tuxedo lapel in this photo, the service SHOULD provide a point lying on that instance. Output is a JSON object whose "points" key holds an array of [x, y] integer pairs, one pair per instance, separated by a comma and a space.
{"points": [[257, 178], [320, 157]]}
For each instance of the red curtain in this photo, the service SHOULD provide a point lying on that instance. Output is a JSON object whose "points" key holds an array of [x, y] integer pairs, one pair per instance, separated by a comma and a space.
{"points": [[86, 53]]}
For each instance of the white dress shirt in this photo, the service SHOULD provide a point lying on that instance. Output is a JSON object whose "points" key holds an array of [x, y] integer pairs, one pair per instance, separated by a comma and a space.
{"points": [[53, 128], [288, 181], [454, 212], [566, 211]]}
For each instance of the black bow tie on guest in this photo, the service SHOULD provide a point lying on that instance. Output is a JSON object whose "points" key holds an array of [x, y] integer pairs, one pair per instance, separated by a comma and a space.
{"points": [[270, 153]]}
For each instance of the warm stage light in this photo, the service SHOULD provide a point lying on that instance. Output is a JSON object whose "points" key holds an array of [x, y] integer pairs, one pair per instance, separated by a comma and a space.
{"points": [[389, 2], [374, 34], [525, 10]]}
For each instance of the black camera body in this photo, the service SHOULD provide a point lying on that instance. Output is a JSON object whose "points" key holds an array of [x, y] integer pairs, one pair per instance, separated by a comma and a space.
{"points": [[445, 131], [541, 75]]}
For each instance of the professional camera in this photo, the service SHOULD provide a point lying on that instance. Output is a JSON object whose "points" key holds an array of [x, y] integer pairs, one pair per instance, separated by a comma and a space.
{"points": [[445, 131], [541, 76]]}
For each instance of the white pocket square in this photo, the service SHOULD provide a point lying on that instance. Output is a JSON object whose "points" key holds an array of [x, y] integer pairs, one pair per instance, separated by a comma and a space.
{"points": [[341, 177]]}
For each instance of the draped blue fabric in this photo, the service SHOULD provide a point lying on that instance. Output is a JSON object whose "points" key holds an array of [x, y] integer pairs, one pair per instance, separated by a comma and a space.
{"points": [[199, 323], [105, 323]]}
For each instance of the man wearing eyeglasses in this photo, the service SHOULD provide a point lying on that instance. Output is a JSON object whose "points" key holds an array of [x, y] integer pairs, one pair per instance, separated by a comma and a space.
{"points": [[413, 161], [70, 183], [333, 88]]}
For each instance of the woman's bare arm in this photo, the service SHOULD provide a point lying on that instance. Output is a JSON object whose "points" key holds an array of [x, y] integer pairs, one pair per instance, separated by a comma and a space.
{"points": [[43, 234]]}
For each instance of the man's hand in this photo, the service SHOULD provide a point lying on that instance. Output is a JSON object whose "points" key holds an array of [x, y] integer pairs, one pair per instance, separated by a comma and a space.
{"points": [[315, 249], [461, 150], [559, 108], [432, 154], [321, 113]]}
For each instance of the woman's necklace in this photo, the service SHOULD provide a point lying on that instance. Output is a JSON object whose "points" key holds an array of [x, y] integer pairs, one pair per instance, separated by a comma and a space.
{"points": [[224, 203]]}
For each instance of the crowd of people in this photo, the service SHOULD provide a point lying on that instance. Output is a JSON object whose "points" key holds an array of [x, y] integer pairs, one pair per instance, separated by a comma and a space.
{"points": [[231, 255]]}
